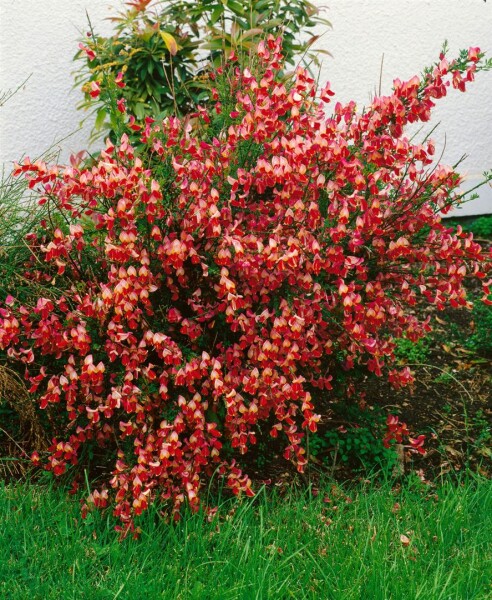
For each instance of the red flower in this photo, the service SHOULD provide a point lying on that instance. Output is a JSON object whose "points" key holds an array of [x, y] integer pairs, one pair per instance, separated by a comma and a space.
{"points": [[95, 89]]}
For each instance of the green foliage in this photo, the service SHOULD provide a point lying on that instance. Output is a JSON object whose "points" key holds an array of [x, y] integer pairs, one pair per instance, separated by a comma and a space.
{"points": [[482, 429], [359, 441], [341, 544], [165, 51], [478, 336], [408, 352], [445, 378], [232, 26], [481, 339], [155, 69], [481, 227]]}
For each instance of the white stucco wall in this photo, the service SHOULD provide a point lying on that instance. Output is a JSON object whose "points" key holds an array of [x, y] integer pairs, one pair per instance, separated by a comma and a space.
{"points": [[39, 38]]}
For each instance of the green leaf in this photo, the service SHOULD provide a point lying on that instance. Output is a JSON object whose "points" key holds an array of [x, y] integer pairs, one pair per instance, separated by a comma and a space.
{"points": [[148, 33], [216, 14], [100, 118], [236, 8], [170, 42], [140, 111]]}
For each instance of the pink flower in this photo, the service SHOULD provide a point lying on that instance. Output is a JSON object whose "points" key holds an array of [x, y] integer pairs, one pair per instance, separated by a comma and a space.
{"points": [[88, 51], [474, 54]]}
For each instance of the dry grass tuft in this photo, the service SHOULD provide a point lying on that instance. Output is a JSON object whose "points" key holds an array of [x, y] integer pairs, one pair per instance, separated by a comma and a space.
{"points": [[30, 435]]}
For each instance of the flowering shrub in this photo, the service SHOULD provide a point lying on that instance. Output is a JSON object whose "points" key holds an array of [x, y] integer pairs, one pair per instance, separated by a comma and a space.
{"points": [[260, 252]]}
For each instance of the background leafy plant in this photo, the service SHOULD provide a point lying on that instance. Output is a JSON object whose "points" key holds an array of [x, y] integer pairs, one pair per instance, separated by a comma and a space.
{"points": [[165, 49], [481, 227], [481, 338]]}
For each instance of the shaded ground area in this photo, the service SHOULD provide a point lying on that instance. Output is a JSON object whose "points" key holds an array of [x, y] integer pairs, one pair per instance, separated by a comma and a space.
{"points": [[450, 403], [451, 400]]}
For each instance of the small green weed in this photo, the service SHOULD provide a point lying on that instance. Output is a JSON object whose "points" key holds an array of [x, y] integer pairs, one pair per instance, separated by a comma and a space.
{"points": [[481, 338], [360, 441], [407, 351], [445, 378], [447, 408], [483, 430], [476, 337]]}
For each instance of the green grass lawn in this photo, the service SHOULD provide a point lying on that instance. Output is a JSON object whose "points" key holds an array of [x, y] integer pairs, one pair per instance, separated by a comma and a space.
{"points": [[342, 543]]}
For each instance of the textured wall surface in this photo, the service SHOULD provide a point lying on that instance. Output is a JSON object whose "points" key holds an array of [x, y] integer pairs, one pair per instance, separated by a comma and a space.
{"points": [[39, 38]]}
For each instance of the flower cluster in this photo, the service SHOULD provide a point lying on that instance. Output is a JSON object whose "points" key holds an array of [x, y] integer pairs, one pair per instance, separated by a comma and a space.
{"points": [[227, 276], [397, 431]]}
